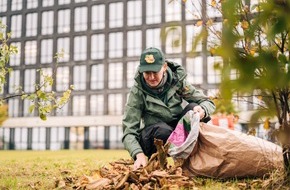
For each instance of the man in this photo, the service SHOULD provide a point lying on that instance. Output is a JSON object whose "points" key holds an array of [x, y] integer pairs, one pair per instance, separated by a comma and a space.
{"points": [[154, 106]]}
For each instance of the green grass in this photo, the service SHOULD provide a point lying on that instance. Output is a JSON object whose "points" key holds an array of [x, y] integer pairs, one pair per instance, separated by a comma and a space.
{"points": [[21, 170]]}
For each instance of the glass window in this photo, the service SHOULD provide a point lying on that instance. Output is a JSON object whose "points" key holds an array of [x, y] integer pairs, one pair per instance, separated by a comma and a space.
{"points": [[192, 10], [30, 52], [115, 79], [98, 17], [134, 43], [47, 3], [97, 105], [63, 45], [3, 20], [173, 11], [3, 6], [79, 105], [32, 4], [116, 44], [81, 17], [79, 79], [47, 23], [63, 111], [79, 1], [46, 72], [97, 77], [15, 59], [31, 24], [212, 11], [191, 35], [13, 107], [115, 104], [80, 48], [16, 23], [62, 2], [131, 70], [26, 105], [173, 39], [153, 38], [62, 78], [153, 11], [63, 21], [134, 13], [29, 80], [116, 15], [213, 75], [46, 51], [14, 81], [194, 70], [98, 46], [16, 5], [214, 34]]}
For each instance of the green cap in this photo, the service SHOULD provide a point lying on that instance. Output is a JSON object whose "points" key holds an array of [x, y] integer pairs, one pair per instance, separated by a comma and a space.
{"points": [[152, 59]]}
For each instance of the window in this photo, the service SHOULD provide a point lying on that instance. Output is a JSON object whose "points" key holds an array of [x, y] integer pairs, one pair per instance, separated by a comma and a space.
{"points": [[134, 13], [31, 24], [131, 70], [13, 107], [116, 15], [79, 79], [63, 45], [29, 80], [79, 1], [63, 21], [63, 111], [62, 78], [213, 76], [97, 105], [115, 104], [115, 79], [153, 38], [214, 34], [80, 48], [212, 11], [14, 81], [173, 39], [3, 6], [116, 44], [79, 105], [194, 68], [191, 35], [98, 17], [62, 2], [16, 23], [173, 11], [15, 59], [134, 43], [3, 20], [47, 23], [193, 10], [16, 5], [81, 15], [97, 76], [47, 3], [26, 106], [30, 52], [98, 46], [32, 4], [153, 11], [46, 51]]}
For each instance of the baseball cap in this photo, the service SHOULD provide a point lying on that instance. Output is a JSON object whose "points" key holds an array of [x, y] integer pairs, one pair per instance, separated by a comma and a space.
{"points": [[152, 59]]}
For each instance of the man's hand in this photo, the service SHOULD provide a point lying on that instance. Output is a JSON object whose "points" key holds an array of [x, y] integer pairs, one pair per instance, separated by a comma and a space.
{"points": [[200, 111], [141, 160]]}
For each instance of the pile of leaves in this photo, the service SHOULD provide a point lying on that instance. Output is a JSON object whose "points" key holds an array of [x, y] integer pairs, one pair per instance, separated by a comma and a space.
{"points": [[157, 174]]}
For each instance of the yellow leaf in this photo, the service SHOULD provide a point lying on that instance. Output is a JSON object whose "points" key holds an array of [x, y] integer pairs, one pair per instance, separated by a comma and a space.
{"points": [[199, 23], [209, 22], [267, 124], [213, 3], [212, 51], [184, 1], [245, 24]]}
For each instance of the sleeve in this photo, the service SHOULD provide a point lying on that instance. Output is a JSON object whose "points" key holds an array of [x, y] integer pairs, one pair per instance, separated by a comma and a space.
{"points": [[190, 94], [131, 123]]}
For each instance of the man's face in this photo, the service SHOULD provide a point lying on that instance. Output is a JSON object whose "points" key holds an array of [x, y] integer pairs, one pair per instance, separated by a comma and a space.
{"points": [[154, 78]]}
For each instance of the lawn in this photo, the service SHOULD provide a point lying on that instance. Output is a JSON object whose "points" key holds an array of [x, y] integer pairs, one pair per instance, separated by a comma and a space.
{"points": [[42, 169]]}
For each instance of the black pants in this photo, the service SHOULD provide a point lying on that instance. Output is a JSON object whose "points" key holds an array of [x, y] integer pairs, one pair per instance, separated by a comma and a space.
{"points": [[159, 130]]}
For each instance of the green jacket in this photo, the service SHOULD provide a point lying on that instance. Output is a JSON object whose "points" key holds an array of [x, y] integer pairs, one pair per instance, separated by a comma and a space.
{"points": [[144, 109]]}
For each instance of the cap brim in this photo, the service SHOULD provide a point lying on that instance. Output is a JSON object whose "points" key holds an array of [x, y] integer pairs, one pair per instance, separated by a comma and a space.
{"points": [[148, 68]]}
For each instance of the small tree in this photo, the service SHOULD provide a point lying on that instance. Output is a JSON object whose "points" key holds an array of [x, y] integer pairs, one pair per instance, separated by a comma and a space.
{"points": [[44, 100]]}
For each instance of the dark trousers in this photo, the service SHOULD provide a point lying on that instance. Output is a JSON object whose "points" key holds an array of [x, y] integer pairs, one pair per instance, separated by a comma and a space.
{"points": [[159, 130]]}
